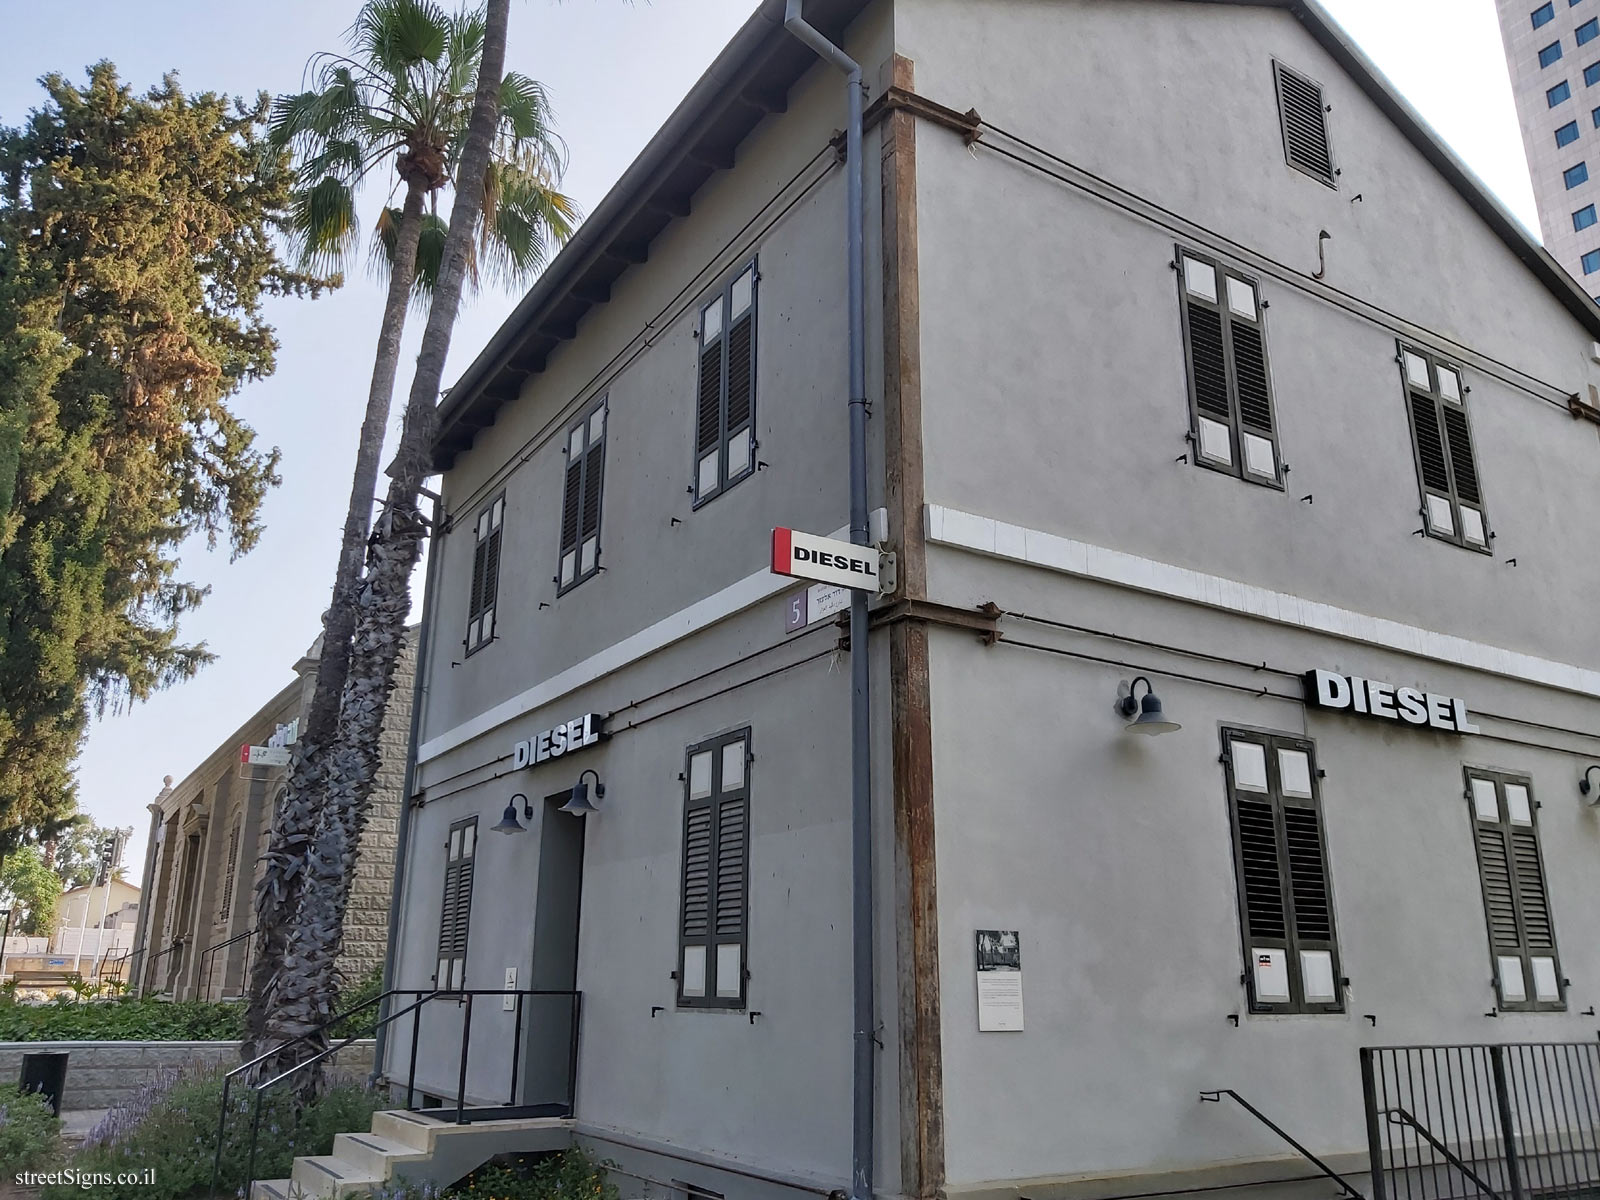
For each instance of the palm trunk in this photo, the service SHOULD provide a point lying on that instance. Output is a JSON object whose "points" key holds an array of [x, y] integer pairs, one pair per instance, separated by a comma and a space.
{"points": [[309, 983], [278, 894]]}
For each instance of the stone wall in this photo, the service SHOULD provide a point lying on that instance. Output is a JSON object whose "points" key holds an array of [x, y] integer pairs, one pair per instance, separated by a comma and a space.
{"points": [[102, 1074]]}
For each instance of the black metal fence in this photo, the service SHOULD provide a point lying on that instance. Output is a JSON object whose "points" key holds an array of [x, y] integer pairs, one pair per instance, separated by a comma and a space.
{"points": [[214, 975], [1506, 1122]]}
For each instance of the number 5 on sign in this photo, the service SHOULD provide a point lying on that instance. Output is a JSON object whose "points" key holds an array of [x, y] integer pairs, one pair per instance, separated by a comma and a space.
{"points": [[816, 603]]}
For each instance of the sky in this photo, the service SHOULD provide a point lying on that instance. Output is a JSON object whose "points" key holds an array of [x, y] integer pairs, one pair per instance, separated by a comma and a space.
{"points": [[614, 73]]}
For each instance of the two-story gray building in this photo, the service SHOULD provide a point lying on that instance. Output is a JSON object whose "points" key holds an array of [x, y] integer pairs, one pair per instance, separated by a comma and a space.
{"points": [[1198, 368]]}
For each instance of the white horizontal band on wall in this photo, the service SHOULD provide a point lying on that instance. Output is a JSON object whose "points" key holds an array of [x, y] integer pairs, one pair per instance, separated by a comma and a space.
{"points": [[702, 614], [1033, 547]]}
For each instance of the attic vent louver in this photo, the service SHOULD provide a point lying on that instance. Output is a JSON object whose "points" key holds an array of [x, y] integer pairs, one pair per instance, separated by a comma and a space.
{"points": [[1304, 119]]}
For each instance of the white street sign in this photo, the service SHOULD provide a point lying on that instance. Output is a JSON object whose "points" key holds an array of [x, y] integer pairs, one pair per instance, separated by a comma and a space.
{"points": [[816, 603], [827, 560], [265, 756]]}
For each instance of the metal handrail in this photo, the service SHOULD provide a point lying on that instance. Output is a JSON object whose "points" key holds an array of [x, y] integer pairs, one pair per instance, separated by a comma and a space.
{"points": [[174, 944], [424, 997], [208, 960], [1399, 1116], [1216, 1098]]}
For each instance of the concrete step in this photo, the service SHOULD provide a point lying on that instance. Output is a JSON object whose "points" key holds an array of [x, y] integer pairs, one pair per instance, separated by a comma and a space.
{"points": [[270, 1189], [407, 1128], [325, 1175], [374, 1153]]}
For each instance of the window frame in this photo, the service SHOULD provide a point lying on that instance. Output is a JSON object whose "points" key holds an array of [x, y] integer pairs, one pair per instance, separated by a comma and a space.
{"points": [[488, 528], [1523, 951], [1554, 101], [723, 297], [1594, 218], [1546, 63], [1279, 70], [1566, 176], [1272, 741], [1441, 405], [1583, 261], [1236, 423], [1546, 11], [710, 941], [450, 904], [583, 423], [1593, 27], [1570, 127]]}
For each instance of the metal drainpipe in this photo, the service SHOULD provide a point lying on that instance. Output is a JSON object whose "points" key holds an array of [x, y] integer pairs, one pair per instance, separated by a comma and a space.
{"points": [[861, 1152], [403, 831]]}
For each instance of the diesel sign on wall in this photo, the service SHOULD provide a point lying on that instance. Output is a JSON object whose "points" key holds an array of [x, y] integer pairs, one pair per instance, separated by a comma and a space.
{"points": [[1385, 702], [576, 734]]}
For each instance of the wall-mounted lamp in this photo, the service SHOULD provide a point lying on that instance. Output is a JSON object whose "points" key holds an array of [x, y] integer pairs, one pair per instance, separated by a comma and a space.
{"points": [[579, 805], [1151, 719], [1586, 788], [509, 822]]}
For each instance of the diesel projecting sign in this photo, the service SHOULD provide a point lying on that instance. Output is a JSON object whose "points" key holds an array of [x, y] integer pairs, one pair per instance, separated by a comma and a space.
{"points": [[577, 734], [1385, 702], [827, 560]]}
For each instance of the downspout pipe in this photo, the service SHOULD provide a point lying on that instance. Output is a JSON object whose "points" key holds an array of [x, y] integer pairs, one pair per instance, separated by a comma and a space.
{"points": [[861, 924], [402, 838]]}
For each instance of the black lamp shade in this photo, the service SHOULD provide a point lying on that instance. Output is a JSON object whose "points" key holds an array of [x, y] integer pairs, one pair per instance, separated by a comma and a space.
{"points": [[509, 822]]}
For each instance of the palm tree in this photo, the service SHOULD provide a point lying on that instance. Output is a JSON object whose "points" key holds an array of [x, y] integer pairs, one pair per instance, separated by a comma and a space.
{"points": [[402, 99]]}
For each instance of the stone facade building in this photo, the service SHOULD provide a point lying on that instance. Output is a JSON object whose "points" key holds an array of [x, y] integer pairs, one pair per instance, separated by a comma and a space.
{"points": [[209, 832]]}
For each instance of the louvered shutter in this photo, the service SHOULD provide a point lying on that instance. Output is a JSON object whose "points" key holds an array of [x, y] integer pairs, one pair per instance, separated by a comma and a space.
{"points": [[1230, 383], [724, 434], [594, 463], [455, 909], [740, 439], [1305, 124], [571, 501], [1209, 362], [708, 408], [1516, 902], [1463, 467], [1286, 909], [714, 897], [490, 590], [1430, 444], [1447, 470], [480, 554], [1250, 368]]}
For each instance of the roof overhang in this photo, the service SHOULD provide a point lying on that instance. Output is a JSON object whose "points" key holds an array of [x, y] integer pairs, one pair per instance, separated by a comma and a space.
{"points": [[751, 79]]}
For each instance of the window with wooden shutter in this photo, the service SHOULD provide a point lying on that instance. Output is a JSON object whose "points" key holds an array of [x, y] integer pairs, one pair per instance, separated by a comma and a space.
{"points": [[225, 903], [485, 575], [724, 427], [714, 903], [1232, 427], [1303, 116], [1291, 949], [1516, 903], [1447, 469], [455, 912], [581, 494]]}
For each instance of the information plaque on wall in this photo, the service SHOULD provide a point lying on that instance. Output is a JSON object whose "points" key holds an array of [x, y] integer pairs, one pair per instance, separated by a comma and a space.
{"points": [[999, 981]]}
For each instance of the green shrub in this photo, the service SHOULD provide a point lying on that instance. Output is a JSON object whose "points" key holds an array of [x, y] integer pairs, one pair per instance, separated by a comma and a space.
{"points": [[30, 1134], [170, 1127], [125, 1019], [363, 1022], [571, 1175]]}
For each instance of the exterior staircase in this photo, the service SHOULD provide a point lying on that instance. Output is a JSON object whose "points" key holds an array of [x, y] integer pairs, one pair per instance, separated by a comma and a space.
{"points": [[411, 1146]]}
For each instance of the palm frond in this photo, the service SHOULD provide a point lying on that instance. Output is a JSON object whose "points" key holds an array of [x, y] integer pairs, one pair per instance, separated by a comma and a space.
{"points": [[527, 126], [323, 225], [399, 35], [529, 221]]}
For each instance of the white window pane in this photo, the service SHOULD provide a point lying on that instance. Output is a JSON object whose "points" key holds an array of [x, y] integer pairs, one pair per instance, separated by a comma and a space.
{"points": [[1449, 384], [1417, 371], [1294, 773], [694, 970], [1216, 441], [442, 978], [1440, 519], [733, 766], [475, 633], [591, 547], [455, 844], [1249, 766], [1242, 297], [1484, 801], [569, 565], [1472, 525], [1316, 973], [1517, 806], [1272, 975], [708, 474], [743, 289], [700, 775], [711, 321], [575, 444], [1545, 985], [468, 838], [488, 623], [728, 970], [597, 426], [1512, 985], [1259, 456], [741, 452], [496, 513], [1200, 278], [483, 524]]}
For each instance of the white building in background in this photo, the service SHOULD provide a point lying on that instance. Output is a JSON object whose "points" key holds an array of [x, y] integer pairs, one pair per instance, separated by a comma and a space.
{"points": [[1553, 50]]}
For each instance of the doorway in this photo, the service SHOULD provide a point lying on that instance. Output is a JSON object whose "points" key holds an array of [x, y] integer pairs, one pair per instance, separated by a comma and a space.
{"points": [[550, 1022]]}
